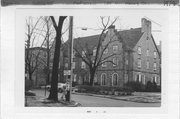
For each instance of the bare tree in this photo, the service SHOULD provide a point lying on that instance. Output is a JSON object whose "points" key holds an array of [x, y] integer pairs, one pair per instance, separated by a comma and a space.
{"points": [[31, 58], [93, 62], [54, 80]]}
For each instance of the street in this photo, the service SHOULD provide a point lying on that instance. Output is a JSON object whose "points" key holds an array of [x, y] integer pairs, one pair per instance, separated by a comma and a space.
{"points": [[94, 101]]}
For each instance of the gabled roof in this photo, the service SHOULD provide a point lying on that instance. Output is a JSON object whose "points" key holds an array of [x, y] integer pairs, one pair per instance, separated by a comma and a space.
{"points": [[92, 41], [130, 37]]}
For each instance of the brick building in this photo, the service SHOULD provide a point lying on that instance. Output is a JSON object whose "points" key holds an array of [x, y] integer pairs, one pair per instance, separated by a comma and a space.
{"points": [[137, 57]]}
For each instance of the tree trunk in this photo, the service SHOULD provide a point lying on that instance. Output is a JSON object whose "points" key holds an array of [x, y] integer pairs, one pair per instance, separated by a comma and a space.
{"points": [[54, 80], [92, 74]]}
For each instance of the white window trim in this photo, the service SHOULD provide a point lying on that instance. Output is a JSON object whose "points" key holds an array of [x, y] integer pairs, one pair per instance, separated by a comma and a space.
{"points": [[147, 52], [155, 66], [113, 78], [139, 50], [139, 63], [155, 54]]}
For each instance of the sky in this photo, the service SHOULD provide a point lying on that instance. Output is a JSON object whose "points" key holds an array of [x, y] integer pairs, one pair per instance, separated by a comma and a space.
{"points": [[126, 21]]}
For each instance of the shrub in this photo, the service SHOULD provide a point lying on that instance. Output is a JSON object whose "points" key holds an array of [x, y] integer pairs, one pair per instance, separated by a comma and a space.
{"points": [[152, 87], [136, 86], [104, 89], [28, 84]]}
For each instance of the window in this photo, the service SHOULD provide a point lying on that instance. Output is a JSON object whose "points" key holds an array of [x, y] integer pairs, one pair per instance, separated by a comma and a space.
{"points": [[103, 79], [147, 65], [139, 50], [94, 52], [104, 64], [74, 53], [158, 81], [143, 79], [139, 63], [147, 52], [154, 79], [66, 65], [138, 78], [115, 61], [155, 55], [83, 53], [127, 62], [105, 51], [114, 79], [115, 48], [154, 66], [83, 65]]}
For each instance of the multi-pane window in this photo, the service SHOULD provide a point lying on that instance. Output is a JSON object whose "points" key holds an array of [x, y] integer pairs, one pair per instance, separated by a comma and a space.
{"points": [[139, 50], [83, 65], [139, 63], [147, 52], [94, 52], [147, 65], [115, 61], [154, 66], [155, 55], [115, 48]]}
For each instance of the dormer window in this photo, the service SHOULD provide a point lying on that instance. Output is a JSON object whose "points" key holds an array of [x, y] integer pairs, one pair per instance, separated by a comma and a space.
{"points": [[139, 50]]}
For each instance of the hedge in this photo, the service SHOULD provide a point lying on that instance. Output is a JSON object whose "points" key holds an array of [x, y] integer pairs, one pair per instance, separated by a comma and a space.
{"points": [[99, 89]]}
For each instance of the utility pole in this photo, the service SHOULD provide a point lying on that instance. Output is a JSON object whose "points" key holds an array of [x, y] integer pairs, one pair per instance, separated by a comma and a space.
{"points": [[71, 53]]}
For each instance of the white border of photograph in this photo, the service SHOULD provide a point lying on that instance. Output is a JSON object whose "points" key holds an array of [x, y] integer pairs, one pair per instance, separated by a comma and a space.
{"points": [[12, 62]]}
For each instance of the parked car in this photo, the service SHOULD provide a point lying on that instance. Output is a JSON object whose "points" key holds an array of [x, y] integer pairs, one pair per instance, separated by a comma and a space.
{"points": [[60, 87]]}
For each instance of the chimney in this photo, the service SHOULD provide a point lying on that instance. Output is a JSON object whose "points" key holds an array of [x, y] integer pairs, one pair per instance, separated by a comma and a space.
{"points": [[146, 26]]}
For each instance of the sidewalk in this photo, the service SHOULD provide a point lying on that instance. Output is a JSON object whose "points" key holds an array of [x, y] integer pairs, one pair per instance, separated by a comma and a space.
{"points": [[136, 97], [42, 101]]}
